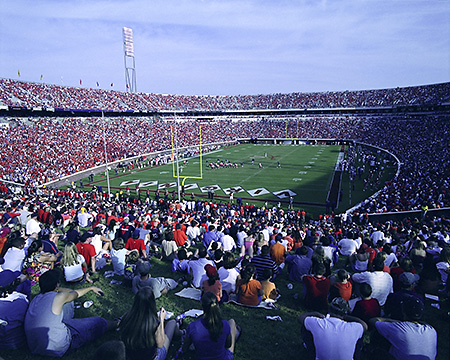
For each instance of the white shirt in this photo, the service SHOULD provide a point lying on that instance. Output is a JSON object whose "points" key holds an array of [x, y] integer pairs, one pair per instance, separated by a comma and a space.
{"points": [[227, 243], [75, 271], [14, 258], [334, 338], [380, 281], [33, 227]]}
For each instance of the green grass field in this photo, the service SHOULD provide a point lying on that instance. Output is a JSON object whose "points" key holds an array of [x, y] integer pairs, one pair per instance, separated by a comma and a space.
{"points": [[306, 171]]}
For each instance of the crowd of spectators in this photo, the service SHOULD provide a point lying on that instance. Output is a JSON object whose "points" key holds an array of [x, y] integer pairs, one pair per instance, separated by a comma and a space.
{"points": [[36, 150], [26, 94], [405, 258]]}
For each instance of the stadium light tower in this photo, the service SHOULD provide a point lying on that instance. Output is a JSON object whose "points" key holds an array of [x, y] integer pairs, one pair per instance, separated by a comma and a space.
{"points": [[128, 56]]}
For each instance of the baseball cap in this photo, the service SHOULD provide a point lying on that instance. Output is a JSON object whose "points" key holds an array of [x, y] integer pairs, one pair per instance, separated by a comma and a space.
{"points": [[339, 306], [210, 270], [407, 279], [143, 268]]}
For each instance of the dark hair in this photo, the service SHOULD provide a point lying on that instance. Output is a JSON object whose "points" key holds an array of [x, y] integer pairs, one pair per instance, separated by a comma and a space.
{"points": [[229, 261], [49, 280], [342, 275], [319, 269], [138, 326], [378, 263], [265, 250], [267, 274], [34, 247], [182, 254], [202, 252], [169, 236], [212, 316], [248, 272], [365, 290]]}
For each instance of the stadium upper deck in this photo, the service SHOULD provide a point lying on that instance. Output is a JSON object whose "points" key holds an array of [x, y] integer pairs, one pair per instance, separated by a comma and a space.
{"points": [[28, 95]]}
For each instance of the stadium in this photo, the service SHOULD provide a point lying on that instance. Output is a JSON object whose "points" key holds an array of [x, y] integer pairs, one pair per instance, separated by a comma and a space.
{"points": [[407, 127], [293, 224]]}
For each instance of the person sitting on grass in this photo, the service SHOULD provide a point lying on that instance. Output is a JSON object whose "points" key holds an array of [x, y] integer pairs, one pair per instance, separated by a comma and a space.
{"points": [[160, 285], [342, 287], [143, 331], [334, 336], [228, 273], [269, 288], [212, 337], [74, 265], [410, 338], [249, 290], [213, 284], [368, 307], [53, 310], [118, 256], [316, 288]]}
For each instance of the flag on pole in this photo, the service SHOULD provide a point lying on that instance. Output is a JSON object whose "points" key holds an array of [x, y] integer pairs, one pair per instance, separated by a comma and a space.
{"points": [[42, 76], [81, 82], [98, 84], [18, 72]]}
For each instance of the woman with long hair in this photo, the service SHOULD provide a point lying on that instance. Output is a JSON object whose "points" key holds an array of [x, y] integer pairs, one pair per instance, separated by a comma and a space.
{"points": [[213, 337], [249, 290], [74, 265], [143, 331]]}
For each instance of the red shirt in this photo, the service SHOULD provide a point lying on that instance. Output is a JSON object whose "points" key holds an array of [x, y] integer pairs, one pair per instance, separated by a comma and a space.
{"points": [[136, 244], [179, 237], [317, 290], [87, 250]]}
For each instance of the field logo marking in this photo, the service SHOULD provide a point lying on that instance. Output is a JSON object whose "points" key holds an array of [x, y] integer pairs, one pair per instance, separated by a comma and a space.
{"points": [[282, 194], [148, 183], [167, 185], [210, 188], [190, 186], [258, 192], [129, 182], [235, 189]]}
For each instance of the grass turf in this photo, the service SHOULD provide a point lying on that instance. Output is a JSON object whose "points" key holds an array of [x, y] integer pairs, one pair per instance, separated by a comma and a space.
{"points": [[305, 170], [259, 335]]}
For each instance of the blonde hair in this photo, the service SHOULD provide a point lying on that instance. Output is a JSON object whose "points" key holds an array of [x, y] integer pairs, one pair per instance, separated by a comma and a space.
{"points": [[70, 256]]}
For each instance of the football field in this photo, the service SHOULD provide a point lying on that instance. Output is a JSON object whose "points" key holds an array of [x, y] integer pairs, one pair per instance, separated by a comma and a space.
{"points": [[257, 173]]}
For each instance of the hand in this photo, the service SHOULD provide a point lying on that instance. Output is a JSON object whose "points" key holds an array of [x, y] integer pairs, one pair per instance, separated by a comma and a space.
{"points": [[98, 291], [162, 314]]}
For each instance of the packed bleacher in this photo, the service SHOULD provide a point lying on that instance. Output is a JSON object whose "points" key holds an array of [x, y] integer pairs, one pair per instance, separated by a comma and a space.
{"points": [[25, 94], [353, 269]]}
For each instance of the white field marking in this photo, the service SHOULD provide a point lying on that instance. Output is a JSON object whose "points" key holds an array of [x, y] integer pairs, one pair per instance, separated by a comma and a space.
{"points": [[297, 179], [196, 163], [307, 167], [314, 158], [228, 153], [311, 162], [302, 172], [163, 172]]}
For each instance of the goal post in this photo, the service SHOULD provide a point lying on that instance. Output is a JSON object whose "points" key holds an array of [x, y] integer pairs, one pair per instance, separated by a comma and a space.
{"points": [[175, 170]]}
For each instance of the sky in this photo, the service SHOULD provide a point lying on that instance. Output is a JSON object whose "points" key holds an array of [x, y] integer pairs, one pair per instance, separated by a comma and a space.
{"points": [[228, 47]]}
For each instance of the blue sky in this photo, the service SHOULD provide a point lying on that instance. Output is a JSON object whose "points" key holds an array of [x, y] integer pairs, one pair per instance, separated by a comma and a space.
{"points": [[228, 46]]}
